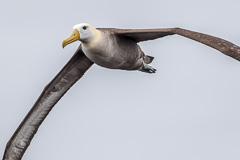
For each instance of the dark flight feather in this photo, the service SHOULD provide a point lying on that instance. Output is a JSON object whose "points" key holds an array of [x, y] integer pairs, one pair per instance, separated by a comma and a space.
{"points": [[51, 94]]}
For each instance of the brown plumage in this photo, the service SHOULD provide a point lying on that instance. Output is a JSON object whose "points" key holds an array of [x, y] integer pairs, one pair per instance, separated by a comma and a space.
{"points": [[127, 55]]}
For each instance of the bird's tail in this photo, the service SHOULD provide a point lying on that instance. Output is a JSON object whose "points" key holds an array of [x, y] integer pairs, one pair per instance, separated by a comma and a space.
{"points": [[148, 59]]}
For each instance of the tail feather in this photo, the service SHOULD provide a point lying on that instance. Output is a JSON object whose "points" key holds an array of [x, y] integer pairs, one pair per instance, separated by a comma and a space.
{"points": [[148, 59]]}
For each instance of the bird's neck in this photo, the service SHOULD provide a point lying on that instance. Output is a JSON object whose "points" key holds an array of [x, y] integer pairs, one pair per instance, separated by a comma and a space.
{"points": [[95, 40]]}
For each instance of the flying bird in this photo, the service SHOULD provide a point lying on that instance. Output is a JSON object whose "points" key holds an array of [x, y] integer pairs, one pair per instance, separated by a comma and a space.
{"points": [[107, 47]]}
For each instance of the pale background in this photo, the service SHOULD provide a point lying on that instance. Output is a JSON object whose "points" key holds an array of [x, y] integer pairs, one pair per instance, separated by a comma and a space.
{"points": [[188, 110]]}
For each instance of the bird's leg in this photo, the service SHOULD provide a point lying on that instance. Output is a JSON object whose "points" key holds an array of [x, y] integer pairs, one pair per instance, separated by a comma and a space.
{"points": [[147, 68]]}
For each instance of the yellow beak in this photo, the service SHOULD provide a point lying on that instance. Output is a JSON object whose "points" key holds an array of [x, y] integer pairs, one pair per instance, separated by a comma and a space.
{"points": [[74, 37]]}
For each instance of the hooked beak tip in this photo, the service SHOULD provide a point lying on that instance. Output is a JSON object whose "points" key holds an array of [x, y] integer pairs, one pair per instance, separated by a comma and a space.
{"points": [[74, 37]]}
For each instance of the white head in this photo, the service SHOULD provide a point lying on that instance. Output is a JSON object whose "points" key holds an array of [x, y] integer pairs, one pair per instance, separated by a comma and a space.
{"points": [[83, 32], [86, 31]]}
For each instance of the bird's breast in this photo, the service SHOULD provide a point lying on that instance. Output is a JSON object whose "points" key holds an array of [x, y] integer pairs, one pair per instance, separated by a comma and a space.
{"points": [[113, 53], [101, 56]]}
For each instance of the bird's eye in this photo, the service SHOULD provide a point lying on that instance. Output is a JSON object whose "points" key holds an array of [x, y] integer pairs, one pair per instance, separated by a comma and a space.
{"points": [[84, 27]]}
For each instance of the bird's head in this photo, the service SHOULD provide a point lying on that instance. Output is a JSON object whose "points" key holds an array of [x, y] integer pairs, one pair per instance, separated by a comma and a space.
{"points": [[82, 32]]}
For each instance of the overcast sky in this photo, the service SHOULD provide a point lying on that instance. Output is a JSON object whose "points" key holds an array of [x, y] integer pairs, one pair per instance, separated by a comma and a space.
{"points": [[188, 110]]}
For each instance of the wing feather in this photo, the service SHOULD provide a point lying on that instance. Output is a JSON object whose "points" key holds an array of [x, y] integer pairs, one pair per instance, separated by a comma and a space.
{"points": [[52, 93], [139, 35], [219, 44]]}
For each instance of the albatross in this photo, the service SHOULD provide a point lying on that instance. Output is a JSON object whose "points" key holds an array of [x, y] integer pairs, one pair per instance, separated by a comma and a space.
{"points": [[107, 47]]}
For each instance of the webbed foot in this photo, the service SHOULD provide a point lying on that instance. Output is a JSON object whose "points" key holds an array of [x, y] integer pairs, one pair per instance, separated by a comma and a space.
{"points": [[147, 68]]}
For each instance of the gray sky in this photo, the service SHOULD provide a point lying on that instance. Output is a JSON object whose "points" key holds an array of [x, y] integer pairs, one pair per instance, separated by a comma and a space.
{"points": [[188, 110]]}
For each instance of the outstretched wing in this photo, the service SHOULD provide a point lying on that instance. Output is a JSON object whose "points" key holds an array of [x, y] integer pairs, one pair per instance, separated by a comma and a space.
{"points": [[139, 35], [52, 93]]}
